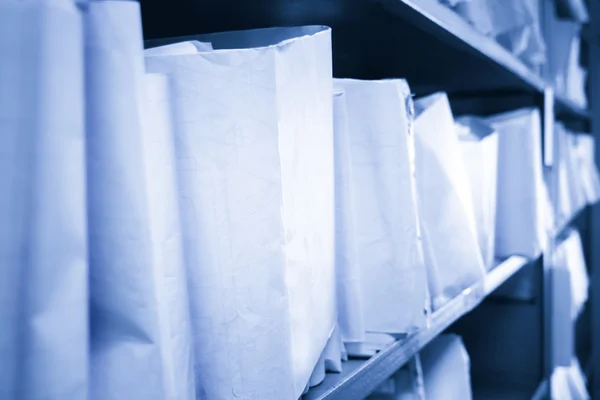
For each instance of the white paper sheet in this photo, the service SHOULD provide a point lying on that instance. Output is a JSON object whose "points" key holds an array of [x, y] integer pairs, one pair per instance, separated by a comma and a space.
{"points": [[479, 144], [169, 269], [43, 244], [446, 369], [389, 249], [349, 296], [452, 255], [126, 359], [522, 195], [254, 145]]}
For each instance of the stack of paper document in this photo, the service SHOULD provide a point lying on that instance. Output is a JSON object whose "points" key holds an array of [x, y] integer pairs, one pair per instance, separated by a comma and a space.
{"points": [[586, 166], [393, 283], [567, 74], [405, 384], [451, 249], [43, 236], [570, 255], [571, 191], [479, 143], [522, 217], [576, 75], [446, 369], [254, 149], [515, 24]]}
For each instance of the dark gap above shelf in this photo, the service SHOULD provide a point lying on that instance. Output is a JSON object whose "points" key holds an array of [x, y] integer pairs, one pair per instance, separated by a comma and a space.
{"points": [[420, 40], [371, 39]]}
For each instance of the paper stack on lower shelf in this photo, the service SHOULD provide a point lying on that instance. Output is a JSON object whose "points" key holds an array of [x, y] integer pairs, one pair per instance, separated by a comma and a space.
{"points": [[585, 153], [446, 369], [569, 254]]}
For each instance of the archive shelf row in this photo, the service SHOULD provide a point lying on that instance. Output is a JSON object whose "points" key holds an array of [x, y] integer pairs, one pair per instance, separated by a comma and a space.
{"points": [[434, 49]]}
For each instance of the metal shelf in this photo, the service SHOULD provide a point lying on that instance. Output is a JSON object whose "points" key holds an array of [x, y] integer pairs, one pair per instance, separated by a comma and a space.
{"points": [[360, 377]]}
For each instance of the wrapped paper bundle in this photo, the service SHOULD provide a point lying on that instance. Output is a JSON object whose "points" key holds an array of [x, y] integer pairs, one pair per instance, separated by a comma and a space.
{"points": [[384, 211], [254, 149], [479, 143], [452, 254]]}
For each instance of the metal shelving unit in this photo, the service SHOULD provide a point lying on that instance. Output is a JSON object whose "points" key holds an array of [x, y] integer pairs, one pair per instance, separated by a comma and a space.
{"points": [[434, 49]]}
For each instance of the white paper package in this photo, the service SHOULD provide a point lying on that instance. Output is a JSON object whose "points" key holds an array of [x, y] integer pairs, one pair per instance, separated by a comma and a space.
{"points": [[574, 261], [254, 148], [452, 255], [577, 194], [567, 74], [383, 191], [515, 24], [522, 201], [563, 34], [479, 144], [167, 246], [446, 369], [126, 356], [43, 244], [572, 196], [586, 166], [348, 280], [576, 75]]}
